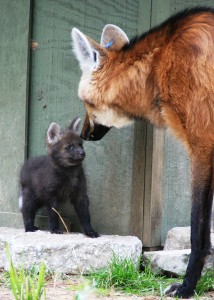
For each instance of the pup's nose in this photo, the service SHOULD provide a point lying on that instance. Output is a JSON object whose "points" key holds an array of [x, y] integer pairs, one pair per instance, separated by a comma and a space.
{"points": [[82, 154]]}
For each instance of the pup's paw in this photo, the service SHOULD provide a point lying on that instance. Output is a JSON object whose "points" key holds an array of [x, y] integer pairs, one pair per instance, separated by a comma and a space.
{"points": [[56, 231], [92, 234]]}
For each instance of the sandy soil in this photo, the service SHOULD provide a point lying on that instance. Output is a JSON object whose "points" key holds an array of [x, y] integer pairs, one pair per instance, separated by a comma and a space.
{"points": [[64, 291], [57, 289]]}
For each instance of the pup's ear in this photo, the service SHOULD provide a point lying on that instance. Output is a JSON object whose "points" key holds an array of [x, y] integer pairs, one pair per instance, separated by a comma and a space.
{"points": [[113, 38], [54, 134], [75, 125], [87, 51]]}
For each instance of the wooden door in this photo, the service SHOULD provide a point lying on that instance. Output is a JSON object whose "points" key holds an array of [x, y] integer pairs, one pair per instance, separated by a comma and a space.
{"points": [[14, 58], [54, 81]]}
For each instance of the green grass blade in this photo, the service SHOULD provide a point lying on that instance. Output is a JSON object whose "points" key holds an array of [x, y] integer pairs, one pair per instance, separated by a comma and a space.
{"points": [[15, 285], [41, 280]]}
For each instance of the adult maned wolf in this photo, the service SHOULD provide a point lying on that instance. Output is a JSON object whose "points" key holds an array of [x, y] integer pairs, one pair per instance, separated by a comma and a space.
{"points": [[166, 75]]}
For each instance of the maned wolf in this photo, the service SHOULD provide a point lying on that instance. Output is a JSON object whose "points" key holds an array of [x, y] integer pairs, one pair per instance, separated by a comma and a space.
{"points": [[49, 180], [166, 75]]}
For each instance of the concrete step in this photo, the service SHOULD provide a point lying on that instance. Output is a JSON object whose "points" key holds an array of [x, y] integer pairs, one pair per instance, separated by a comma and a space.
{"points": [[65, 253]]}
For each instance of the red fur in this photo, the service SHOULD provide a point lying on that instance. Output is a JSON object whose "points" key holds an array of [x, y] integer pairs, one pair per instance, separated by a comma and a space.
{"points": [[167, 77]]}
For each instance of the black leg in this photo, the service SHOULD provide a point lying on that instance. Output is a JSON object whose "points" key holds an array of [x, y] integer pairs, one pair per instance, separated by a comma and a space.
{"points": [[28, 209], [81, 206], [202, 197], [53, 219]]}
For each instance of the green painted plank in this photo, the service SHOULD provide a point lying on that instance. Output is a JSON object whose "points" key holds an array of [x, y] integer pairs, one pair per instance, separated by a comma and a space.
{"points": [[54, 81], [176, 173], [153, 196], [14, 46], [142, 160]]}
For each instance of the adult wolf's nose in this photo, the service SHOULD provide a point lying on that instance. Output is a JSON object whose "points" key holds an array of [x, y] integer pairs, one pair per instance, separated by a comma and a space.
{"points": [[94, 133]]}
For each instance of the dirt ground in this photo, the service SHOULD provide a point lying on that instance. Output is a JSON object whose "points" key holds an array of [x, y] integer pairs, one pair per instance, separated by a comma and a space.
{"points": [[64, 290]]}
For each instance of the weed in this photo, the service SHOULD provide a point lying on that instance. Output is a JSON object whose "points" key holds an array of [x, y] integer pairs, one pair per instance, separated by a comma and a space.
{"points": [[123, 276], [26, 285], [206, 282]]}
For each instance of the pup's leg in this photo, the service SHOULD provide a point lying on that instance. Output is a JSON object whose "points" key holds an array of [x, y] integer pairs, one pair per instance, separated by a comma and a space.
{"points": [[53, 218], [81, 205]]}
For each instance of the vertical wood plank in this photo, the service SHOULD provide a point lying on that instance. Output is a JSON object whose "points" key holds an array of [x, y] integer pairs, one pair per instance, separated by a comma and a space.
{"points": [[139, 155], [54, 83], [176, 171], [153, 187], [153, 196], [14, 58]]}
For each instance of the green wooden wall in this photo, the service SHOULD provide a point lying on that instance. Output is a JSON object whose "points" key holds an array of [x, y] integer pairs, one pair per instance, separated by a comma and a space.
{"points": [[14, 58], [138, 177], [176, 170], [55, 75]]}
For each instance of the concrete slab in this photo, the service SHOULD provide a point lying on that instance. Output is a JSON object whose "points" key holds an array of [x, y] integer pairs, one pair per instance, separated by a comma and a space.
{"points": [[66, 253]]}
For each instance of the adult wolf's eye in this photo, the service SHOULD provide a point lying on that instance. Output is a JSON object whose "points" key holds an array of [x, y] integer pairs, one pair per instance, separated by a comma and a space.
{"points": [[69, 147]]}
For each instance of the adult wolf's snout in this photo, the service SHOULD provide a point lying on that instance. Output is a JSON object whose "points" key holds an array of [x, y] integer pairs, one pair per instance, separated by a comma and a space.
{"points": [[93, 132]]}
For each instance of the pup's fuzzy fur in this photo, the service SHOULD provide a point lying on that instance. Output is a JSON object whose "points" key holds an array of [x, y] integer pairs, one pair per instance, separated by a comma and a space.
{"points": [[54, 178]]}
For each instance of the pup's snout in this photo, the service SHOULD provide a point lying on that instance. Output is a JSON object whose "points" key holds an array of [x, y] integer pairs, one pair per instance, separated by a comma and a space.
{"points": [[82, 153]]}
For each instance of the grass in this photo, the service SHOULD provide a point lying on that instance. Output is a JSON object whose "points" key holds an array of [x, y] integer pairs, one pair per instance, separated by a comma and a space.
{"points": [[206, 282], [26, 285], [123, 276]]}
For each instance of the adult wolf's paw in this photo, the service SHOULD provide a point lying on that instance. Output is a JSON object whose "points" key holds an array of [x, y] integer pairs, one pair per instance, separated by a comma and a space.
{"points": [[178, 290]]}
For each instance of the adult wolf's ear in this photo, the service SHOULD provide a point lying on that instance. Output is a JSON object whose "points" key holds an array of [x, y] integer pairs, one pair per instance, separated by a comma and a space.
{"points": [[53, 134], [113, 38], [87, 51]]}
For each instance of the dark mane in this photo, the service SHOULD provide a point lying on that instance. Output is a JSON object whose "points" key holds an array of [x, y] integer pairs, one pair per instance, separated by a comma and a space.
{"points": [[172, 22]]}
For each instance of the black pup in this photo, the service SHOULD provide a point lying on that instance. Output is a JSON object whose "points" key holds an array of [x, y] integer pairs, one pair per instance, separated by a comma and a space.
{"points": [[49, 180]]}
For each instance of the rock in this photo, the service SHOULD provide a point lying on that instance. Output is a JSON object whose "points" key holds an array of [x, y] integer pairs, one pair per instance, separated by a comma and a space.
{"points": [[179, 238], [173, 262], [175, 256], [67, 253]]}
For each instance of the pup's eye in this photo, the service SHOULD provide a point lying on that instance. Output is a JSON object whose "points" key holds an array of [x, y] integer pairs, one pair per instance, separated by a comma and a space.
{"points": [[69, 147]]}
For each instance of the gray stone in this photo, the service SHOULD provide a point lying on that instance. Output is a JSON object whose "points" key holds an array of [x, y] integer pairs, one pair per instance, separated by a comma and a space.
{"points": [[173, 261], [179, 238], [175, 256], [67, 253]]}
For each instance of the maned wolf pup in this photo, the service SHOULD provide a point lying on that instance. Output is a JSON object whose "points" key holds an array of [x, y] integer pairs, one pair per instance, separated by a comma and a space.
{"points": [[51, 179]]}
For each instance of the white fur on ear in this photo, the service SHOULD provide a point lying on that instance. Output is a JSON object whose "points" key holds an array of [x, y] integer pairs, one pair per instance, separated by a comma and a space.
{"points": [[87, 56], [113, 37], [53, 134]]}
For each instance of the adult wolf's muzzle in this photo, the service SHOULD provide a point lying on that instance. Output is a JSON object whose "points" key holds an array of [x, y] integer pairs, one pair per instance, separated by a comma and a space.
{"points": [[93, 132]]}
